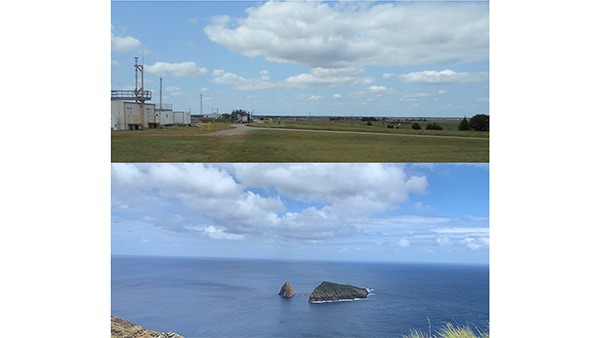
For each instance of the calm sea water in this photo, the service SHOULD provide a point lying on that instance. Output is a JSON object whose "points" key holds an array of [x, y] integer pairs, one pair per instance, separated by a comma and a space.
{"points": [[239, 298]]}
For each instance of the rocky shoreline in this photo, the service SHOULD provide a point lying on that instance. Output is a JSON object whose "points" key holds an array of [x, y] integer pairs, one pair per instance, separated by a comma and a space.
{"points": [[120, 328]]}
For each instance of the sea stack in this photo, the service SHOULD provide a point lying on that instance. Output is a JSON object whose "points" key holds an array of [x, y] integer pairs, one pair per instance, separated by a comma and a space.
{"points": [[286, 290], [329, 292]]}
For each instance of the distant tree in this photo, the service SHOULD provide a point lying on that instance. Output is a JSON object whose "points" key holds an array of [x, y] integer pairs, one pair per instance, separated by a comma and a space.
{"points": [[369, 123], [416, 126], [434, 126], [391, 126], [464, 124], [373, 119], [480, 122]]}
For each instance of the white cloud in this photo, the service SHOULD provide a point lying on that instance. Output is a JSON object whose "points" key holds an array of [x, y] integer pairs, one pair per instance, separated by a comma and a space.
{"points": [[212, 192], [228, 199], [124, 44], [241, 83], [345, 34], [374, 186], [338, 96], [442, 77], [264, 75], [328, 77], [314, 97], [318, 77], [219, 234], [188, 68], [378, 89], [172, 89], [479, 218]]}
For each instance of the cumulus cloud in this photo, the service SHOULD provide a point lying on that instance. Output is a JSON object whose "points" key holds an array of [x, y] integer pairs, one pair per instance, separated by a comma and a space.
{"points": [[212, 192], [318, 77], [374, 186], [328, 77], [338, 35], [242, 83], [230, 201], [337, 96], [188, 68], [378, 89], [124, 43], [442, 77], [219, 233]]}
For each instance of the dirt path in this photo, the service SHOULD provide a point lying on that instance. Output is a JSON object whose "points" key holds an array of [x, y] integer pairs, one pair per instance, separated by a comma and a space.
{"points": [[238, 130]]}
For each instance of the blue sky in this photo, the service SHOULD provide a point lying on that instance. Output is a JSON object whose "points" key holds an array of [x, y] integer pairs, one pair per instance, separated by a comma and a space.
{"points": [[346, 212], [307, 57]]}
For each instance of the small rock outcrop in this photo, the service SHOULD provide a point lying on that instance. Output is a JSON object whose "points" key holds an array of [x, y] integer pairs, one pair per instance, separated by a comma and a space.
{"points": [[286, 290], [328, 292], [120, 328]]}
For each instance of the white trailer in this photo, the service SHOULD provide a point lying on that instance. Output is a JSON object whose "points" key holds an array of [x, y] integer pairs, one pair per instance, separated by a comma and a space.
{"points": [[127, 115], [165, 116], [182, 118]]}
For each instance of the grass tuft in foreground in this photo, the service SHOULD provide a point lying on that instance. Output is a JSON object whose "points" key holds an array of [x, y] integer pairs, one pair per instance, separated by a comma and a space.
{"points": [[450, 332]]}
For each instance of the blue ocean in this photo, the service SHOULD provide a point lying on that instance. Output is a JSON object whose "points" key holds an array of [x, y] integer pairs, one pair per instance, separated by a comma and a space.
{"points": [[198, 297]]}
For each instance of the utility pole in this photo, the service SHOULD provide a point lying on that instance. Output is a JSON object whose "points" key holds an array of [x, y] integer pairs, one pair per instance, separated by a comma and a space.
{"points": [[201, 113]]}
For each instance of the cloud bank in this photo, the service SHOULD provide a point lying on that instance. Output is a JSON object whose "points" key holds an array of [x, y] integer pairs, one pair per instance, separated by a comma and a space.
{"points": [[340, 35], [231, 201]]}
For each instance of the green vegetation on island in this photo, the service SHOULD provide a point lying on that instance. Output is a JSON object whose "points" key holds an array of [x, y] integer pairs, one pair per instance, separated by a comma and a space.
{"points": [[328, 291]]}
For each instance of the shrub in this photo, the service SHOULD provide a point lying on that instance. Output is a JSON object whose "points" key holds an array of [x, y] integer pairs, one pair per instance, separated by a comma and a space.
{"points": [[391, 126], [369, 123], [434, 126], [416, 126]]}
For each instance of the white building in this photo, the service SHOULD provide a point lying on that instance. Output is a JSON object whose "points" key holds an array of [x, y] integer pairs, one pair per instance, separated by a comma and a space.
{"points": [[125, 115]]}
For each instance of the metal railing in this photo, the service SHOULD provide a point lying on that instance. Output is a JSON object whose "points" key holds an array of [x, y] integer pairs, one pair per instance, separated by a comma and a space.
{"points": [[164, 106], [129, 95]]}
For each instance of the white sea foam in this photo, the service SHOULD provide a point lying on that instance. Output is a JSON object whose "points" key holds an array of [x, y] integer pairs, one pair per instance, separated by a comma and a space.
{"points": [[333, 301]]}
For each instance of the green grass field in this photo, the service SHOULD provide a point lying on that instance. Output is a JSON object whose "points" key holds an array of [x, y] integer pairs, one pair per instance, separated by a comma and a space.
{"points": [[188, 145], [450, 127]]}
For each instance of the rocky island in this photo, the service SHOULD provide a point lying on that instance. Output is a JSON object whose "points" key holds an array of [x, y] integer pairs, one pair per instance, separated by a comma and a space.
{"points": [[120, 328], [286, 290], [328, 291]]}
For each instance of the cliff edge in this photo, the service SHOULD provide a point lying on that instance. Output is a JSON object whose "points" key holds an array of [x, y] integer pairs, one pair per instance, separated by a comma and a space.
{"points": [[120, 328], [328, 291]]}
